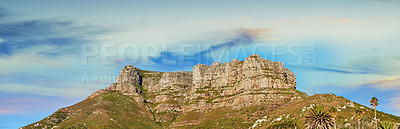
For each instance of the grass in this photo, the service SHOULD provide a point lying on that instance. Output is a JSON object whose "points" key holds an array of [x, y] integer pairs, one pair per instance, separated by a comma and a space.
{"points": [[109, 110], [114, 110]]}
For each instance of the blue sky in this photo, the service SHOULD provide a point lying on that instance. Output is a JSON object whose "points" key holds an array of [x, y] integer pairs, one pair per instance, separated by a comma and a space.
{"points": [[55, 53]]}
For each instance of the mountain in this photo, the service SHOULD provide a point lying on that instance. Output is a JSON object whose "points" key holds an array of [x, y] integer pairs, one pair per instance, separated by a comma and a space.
{"points": [[254, 93]]}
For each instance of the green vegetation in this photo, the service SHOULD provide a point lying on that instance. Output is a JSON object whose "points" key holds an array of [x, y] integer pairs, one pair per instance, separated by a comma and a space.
{"points": [[333, 112], [285, 125], [109, 110], [318, 118], [114, 110], [217, 118], [385, 125]]}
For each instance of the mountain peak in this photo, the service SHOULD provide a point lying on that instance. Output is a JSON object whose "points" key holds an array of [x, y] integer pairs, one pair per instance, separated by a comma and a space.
{"points": [[129, 74]]}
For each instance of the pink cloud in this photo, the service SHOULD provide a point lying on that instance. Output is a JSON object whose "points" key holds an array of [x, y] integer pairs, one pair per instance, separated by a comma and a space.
{"points": [[391, 83], [3, 111]]}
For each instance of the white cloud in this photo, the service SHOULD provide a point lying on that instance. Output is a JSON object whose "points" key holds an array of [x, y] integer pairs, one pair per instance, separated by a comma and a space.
{"points": [[50, 76], [2, 40], [67, 90]]}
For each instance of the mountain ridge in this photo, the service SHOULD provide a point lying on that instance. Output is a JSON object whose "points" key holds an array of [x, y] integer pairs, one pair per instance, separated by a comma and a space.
{"points": [[252, 89]]}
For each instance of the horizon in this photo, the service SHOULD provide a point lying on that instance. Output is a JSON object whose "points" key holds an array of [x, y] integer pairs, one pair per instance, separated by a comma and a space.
{"points": [[54, 54]]}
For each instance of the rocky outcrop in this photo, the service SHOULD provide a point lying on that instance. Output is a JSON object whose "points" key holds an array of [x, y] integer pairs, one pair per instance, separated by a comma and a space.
{"points": [[131, 75], [129, 82], [240, 83], [167, 90], [239, 94], [235, 84], [253, 73]]}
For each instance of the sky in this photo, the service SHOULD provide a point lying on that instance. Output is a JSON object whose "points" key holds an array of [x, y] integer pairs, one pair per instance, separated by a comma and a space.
{"points": [[54, 54]]}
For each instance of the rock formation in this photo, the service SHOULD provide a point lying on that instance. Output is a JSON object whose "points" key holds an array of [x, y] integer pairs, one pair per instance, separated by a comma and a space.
{"points": [[250, 93], [237, 83]]}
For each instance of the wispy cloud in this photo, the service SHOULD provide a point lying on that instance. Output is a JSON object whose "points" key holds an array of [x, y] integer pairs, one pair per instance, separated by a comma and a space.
{"points": [[390, 83], [63, 89], [30, 47], [390, 86], [242, 37], [245, 36], [339, 70], [329, 19], [66, 36], [3, 111], [2, 40]]}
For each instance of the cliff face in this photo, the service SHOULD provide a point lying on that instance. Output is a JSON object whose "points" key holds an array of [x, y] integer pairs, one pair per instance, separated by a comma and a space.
{"points": [[239, 83], [236, 84], [252, 73]]}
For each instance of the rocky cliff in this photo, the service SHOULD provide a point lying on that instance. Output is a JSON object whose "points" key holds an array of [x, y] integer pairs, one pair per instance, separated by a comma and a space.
{"points": [[236, 84], [239, 83], [228, 84], [243, 92]]}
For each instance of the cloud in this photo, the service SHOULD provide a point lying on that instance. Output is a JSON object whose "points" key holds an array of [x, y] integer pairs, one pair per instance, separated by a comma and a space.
{"points": [[3, 111], [64, 35], [242, 37], [328, 19], [43, 56], [339, 70], [368, 61], [62, 89], [245, 36], [2, 40], [24, 100], [391, 83]]}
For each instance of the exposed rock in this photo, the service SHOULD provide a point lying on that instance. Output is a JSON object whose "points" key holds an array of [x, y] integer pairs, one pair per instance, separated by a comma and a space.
{"points": [[254, 72], [236, 94], [237, 83], [243, 83], [131, 75]]}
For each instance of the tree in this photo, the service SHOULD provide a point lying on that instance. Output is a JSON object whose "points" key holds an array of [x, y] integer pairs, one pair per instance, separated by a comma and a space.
{"points": [[386, 125], [374, 103], [318, 118], [333, 111], [359, 116]]}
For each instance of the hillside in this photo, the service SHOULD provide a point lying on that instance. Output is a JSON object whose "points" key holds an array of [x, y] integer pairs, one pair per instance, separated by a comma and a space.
{"points": [[294, 112], [239, 94], [109, 110]]}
